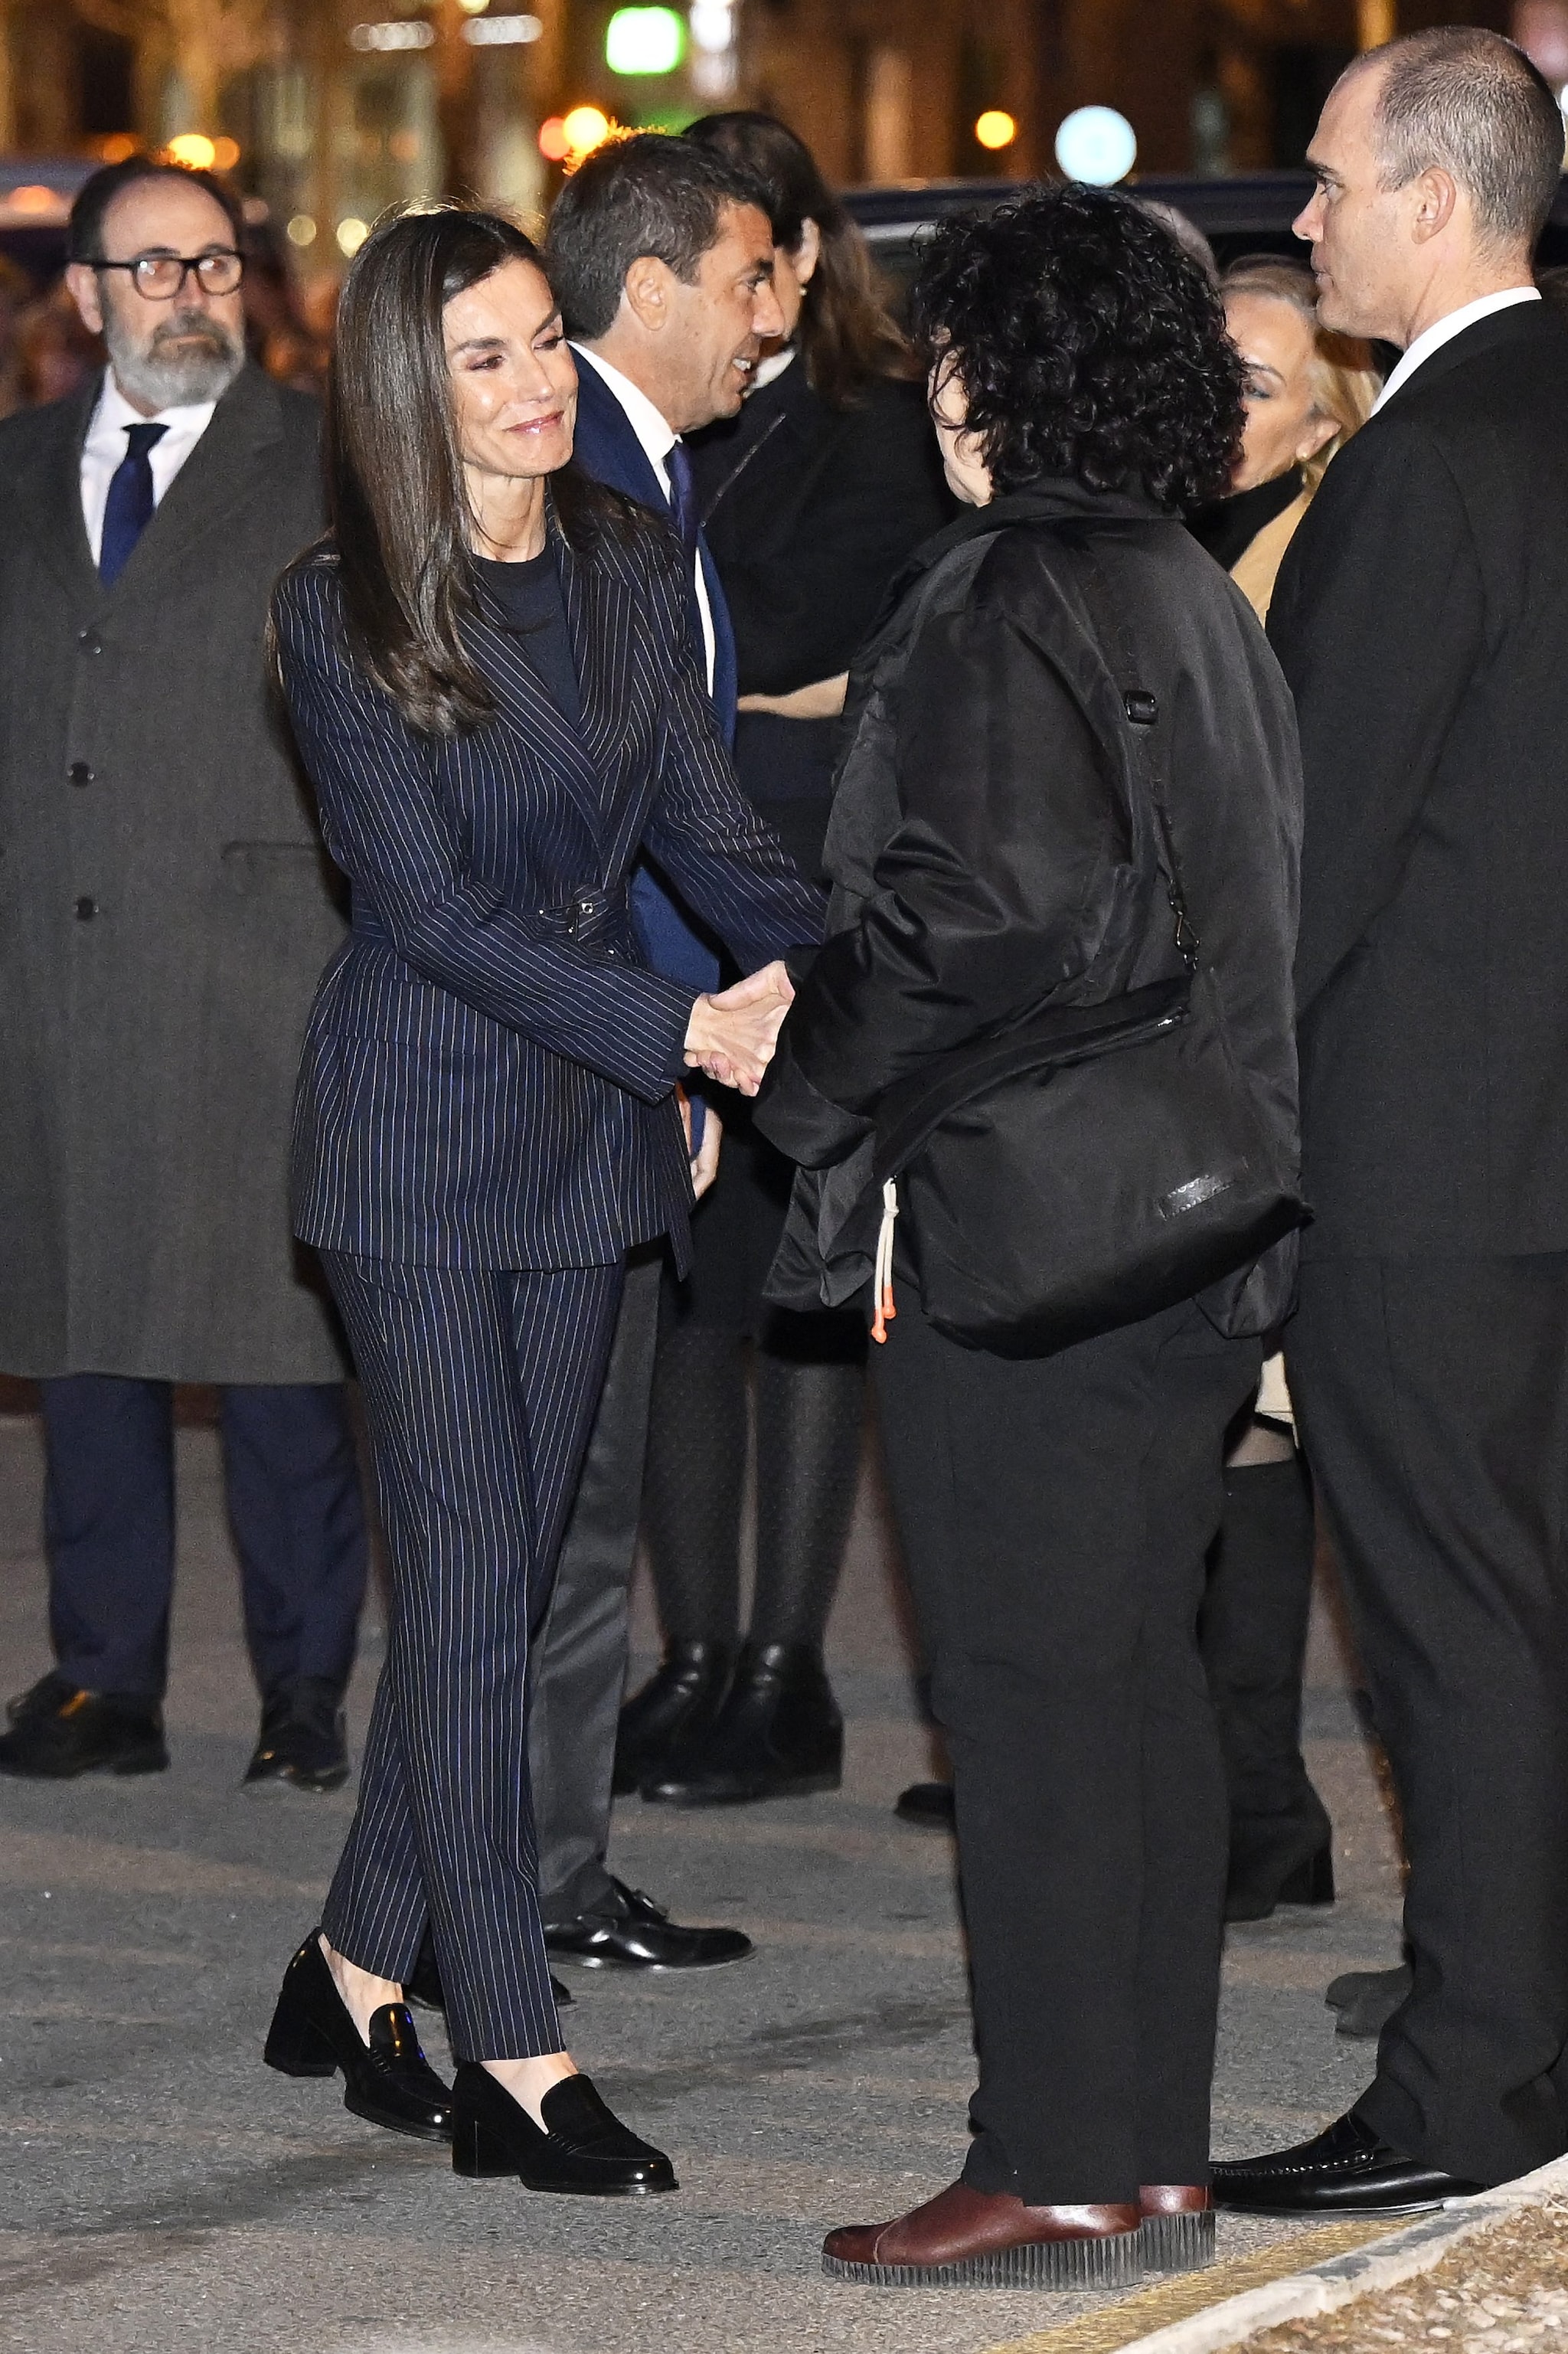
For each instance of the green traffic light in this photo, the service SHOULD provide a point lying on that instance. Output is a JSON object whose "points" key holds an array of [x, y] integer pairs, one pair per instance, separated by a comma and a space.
{"points": [[644, 41]]}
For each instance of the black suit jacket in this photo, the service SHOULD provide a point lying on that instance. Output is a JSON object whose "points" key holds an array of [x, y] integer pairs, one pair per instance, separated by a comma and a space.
{"points": [[1419, 618], [488, 1070], [809, 510]]}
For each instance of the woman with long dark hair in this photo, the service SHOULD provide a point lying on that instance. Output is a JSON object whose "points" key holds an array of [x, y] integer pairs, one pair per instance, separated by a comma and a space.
{"points": [[811, 499], [487, 663], [1069, 776]]}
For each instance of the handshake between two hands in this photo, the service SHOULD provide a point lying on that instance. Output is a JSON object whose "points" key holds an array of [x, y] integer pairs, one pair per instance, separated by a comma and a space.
{"points": [[732, 1033]]}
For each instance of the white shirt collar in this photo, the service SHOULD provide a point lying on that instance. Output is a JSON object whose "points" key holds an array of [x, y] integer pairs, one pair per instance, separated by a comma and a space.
{"points": [[1433, 338], [115, 413], [657, 436]]}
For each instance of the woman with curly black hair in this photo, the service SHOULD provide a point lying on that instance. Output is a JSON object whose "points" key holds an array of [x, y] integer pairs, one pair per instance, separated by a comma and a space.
{"points": [[1060, 664]]}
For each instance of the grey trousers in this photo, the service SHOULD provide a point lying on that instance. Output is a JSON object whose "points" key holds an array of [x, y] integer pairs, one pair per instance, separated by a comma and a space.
{"points": [[579, 1648]]}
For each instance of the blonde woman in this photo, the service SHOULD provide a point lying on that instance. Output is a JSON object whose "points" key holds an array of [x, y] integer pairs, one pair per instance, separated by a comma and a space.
{"points": [[1307, 392]]}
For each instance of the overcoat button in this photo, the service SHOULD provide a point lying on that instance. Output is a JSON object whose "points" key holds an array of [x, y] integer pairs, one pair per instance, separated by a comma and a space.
{"points": [[91, 642], [85, 910], [80, 773]]}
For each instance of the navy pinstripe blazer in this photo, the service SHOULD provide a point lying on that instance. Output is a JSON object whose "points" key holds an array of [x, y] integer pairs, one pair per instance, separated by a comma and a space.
{"points": [[488, 1067]]}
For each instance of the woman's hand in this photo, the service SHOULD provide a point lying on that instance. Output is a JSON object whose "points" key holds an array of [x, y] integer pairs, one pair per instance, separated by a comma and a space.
{"points": [[705, 1161], [823, 699], [731, 1033]]}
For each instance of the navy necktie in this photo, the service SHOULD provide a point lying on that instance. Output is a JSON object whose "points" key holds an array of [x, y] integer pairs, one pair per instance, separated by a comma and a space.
{"points": [[129, 507], [683, 498]]}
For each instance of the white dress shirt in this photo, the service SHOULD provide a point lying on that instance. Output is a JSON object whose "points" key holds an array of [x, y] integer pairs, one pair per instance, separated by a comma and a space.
{"points": [[104, 450], [657, 438], [1433, 338]]}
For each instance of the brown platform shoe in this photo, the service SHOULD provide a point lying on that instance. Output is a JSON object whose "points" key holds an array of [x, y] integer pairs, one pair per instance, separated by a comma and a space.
{"points": [[1177, 2234], [966, 2238]]}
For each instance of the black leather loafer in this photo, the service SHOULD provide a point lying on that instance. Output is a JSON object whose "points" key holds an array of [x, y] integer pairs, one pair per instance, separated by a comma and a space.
{"points": [[58, 1732], [302, 1739], [387, 2082], [639, 1936], [584, 2149], [423, 1983], [1346, 2170]]}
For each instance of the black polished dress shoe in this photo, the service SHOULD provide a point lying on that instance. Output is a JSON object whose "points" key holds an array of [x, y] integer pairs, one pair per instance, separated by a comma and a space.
{"points": [[929, 1804], [633, 1932], [423, 1983], [58, 1732], [42, 1698], [302, 1738], [779, 1735], [1346, 2170], [387, 2082], [583, 2147], [679, 1701], [1367, 1999]]}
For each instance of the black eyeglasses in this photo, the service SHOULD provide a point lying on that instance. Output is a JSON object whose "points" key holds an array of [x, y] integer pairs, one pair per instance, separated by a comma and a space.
{"points": [[161, 276]]}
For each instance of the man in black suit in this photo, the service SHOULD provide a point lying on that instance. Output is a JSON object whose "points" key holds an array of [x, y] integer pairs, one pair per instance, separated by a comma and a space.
{"points": [[167, 911], [1419, 620], [664, 266]]}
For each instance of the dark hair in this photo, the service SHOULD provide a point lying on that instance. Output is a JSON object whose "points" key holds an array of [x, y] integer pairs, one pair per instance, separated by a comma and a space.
{"points": [[396, 499], [98, 190], [1088, 344], [846, 334], [645, 194], [1470, 101]]}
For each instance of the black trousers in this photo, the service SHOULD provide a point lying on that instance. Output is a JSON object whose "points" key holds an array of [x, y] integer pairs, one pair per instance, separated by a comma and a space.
{"points": [[480, 1387], [578, 1667], [291, 1482], [1056, 1513], [1433, 1400]]}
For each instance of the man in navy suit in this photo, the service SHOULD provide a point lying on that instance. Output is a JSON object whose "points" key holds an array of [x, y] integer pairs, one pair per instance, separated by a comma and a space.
{"points": [[661, 253]]}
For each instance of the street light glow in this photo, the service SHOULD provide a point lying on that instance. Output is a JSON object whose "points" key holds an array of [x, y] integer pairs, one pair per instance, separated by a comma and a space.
{"points": [[194, 151], [584, 128], [383, 37], [995, 128], [644, 41], [500, 32], [1097, 146]]}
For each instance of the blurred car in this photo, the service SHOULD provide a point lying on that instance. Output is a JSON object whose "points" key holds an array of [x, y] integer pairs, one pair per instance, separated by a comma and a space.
{"points": [[1249, 212]]}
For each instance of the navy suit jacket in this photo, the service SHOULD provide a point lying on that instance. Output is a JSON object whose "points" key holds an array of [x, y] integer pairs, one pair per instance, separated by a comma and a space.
{"points": [[606, 446], [488, 1067]]}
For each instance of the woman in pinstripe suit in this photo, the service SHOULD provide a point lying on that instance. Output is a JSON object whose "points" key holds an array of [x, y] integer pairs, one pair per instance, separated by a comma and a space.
{"points": [[488, 669]]}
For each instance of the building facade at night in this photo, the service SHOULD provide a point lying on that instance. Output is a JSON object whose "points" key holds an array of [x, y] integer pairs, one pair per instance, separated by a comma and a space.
{"points": [[327, 111]]}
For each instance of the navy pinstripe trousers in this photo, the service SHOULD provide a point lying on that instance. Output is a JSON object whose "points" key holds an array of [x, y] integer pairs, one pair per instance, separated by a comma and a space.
{"points": [[480, 1386]]}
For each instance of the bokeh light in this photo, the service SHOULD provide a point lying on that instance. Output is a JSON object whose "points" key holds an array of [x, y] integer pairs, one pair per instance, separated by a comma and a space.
{"points": [[194, 150], [644, 41], [585, 128], [352, 234], [302, 229], [1097, 146], [995, 128]]}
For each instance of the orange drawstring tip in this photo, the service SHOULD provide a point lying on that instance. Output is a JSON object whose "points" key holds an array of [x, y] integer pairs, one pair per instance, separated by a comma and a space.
{"points": [[883, 1278]]}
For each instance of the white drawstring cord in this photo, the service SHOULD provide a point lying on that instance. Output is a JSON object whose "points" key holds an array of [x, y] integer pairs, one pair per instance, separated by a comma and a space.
{"points": [[881, 1279]]}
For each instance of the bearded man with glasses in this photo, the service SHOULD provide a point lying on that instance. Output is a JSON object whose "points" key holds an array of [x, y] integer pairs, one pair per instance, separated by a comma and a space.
{"points": [[165, 911]]}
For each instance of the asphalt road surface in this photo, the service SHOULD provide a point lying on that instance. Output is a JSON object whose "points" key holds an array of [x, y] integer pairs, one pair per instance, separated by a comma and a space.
{"points": [[161, 2192]]}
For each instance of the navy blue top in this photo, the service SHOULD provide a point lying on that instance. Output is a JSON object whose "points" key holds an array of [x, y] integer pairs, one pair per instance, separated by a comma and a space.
{"points": [[529, 594]]}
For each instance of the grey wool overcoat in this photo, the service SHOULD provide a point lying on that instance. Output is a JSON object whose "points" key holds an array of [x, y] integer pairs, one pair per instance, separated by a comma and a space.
{"points": [[166, 912]]}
